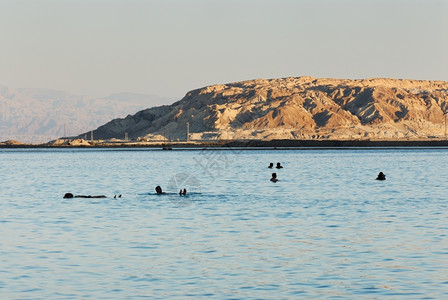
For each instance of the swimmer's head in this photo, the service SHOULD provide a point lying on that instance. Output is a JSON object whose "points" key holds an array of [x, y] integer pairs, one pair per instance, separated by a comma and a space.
{"points": [[158, 189]]}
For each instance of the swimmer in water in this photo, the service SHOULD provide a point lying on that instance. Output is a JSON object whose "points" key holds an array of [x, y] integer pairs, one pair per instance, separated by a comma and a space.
{"points": [[274, 177], [271, 165], [70, 195], [183, 193], [279, 166], [159, 190], [381, 176]]}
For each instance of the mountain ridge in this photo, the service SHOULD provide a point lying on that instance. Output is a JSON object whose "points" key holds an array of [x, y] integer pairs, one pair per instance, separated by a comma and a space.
{"points": [[295, 108]]}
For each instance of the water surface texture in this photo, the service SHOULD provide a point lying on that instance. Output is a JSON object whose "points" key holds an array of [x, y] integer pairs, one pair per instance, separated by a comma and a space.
{"points": [[327, 229]]}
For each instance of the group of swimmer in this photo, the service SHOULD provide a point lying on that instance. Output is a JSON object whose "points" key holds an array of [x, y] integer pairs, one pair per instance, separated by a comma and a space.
{"points": [[381, 175], [183, 192], [274, 175], [279, 166]]}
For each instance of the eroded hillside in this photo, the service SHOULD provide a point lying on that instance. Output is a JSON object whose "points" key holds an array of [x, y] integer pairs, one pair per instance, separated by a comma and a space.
{"points": [[296, 108]]}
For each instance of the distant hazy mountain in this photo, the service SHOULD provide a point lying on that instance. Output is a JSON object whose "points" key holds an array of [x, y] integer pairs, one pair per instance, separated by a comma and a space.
{"points": [[296, 108], [37, 115]]}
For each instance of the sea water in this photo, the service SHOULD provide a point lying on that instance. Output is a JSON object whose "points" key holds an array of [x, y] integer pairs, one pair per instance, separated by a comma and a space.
{"points": [[326, 229]]}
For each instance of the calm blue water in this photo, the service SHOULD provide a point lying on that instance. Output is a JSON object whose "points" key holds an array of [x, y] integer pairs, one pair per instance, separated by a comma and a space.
{"points": [[327, 229]]}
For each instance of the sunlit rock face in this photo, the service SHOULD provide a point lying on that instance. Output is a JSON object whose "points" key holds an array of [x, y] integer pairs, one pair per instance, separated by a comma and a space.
{"points": [[296, 108]]}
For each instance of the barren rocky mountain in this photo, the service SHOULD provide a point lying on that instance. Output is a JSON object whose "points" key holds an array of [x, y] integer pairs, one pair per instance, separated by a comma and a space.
{"points": [[36, 115], [296, 108]]}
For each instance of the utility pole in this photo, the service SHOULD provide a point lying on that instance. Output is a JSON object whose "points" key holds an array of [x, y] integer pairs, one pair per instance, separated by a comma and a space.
{"points": [[65, 131], [91, 136], [445, 124], [188, 131]]}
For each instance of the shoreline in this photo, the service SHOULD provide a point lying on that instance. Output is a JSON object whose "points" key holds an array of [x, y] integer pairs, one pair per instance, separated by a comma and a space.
{"points": [[245, 144]]}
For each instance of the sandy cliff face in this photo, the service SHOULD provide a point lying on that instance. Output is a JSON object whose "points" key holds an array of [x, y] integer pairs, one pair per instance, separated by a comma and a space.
{"points": [[296, 108]]}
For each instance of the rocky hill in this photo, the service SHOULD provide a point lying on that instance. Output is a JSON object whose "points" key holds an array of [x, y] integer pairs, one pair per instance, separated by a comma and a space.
{"points": [[37, 115], [296, 108]]}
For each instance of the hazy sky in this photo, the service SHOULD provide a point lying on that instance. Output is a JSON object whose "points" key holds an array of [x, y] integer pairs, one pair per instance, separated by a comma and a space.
{"points": [[169, 47]]}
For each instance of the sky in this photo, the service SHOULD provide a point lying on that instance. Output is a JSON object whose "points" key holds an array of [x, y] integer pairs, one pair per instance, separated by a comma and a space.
{"points": [[169, 47]]}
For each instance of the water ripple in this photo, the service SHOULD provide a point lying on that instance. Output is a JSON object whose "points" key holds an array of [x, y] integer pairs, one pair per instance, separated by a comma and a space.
{"points": [[336, 233]]}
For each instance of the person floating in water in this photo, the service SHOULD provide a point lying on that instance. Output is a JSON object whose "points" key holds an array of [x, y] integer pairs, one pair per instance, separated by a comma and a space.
{"points": [[183, 192], [274, 177], [271, 165], [381, 176], [159, 190], [70, 195], [279, 166], [119, 196]]}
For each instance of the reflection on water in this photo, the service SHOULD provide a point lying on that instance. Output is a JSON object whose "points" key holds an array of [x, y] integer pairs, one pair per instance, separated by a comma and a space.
{"points": [[327, 229]]}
